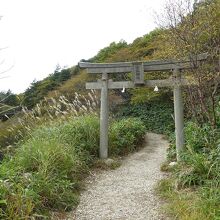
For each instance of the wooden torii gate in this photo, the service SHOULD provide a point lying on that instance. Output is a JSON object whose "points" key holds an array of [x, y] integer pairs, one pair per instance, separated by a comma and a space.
{"points": [[138, 69]]}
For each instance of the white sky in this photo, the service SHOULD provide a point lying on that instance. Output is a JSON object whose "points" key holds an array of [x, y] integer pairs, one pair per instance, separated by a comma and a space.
{"points": [[39, 34]]}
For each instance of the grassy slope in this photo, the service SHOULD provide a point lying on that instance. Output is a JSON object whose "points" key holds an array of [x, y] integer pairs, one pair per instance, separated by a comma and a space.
{"points": [[45, 172], [142, 48], [193, 189]]}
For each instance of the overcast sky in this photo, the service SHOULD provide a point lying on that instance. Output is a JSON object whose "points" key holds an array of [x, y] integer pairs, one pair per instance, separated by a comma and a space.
{"points": [[39, 34]]}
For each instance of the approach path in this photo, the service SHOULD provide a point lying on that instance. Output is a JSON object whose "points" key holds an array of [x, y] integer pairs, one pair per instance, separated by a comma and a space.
{"points": [[126, 193]]}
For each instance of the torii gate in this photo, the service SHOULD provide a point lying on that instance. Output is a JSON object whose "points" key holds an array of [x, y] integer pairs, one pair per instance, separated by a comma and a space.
{"points": [[138, 69]]}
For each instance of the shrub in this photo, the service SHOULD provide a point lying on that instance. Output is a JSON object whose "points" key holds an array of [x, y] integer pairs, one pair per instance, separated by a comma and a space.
{"points": [[156, 115], [125, 134]]}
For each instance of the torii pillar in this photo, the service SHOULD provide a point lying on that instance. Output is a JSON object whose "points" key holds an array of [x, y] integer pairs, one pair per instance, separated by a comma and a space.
{"points": [[104, 114], [178, 113]]}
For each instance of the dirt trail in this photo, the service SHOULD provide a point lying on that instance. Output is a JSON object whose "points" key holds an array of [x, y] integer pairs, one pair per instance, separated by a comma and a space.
{"points": [[126, 193]]}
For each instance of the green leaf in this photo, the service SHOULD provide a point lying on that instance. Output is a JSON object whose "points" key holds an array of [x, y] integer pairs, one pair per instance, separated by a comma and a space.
{"points": [[3, 202]]}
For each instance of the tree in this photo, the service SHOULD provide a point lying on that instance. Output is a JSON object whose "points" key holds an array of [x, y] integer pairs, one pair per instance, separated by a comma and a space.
{"points": [[8, 100], [11, 99], [107, 52], [191, 28], [39, 89]]}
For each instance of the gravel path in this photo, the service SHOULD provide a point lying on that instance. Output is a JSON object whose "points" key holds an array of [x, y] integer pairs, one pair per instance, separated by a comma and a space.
{"points": [[126, 193]]}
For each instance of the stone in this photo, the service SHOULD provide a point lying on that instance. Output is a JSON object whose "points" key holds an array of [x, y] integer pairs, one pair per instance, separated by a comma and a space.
{"points": [[171, 164]]}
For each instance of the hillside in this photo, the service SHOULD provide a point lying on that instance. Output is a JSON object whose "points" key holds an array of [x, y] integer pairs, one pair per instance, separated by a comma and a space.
{"points": [[49, 147], [71, 80], [165, 42]]}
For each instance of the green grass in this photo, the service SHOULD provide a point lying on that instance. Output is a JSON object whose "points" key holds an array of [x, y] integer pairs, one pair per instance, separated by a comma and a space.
{"points": [[45, 173], [189, 203], [193, 189]]}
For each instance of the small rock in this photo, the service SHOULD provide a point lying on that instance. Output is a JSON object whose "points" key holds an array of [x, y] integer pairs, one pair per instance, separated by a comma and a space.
{"points": [[109, 161], [172, 163], [27, 176]]}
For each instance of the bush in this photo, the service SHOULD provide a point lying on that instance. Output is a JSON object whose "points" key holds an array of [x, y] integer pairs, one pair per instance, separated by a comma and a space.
{"points": [[156, 115], [125, 134]]}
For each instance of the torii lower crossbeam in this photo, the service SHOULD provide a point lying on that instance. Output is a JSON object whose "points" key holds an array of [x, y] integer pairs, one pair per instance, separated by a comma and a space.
{"points": [[138, 69], [104, 85]]}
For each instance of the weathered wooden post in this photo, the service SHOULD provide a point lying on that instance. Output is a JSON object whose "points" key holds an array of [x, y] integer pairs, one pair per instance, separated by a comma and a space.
{"points": [[178, 113], [103, 150]]}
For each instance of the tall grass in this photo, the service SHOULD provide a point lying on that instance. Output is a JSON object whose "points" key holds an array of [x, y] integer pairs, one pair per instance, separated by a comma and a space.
{"points": [[56, 144], [194, 189], [45, 172], [47, 111]]}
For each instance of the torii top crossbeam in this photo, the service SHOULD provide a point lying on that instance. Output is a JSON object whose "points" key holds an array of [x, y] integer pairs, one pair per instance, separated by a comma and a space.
{"points": [[148, 66]]}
